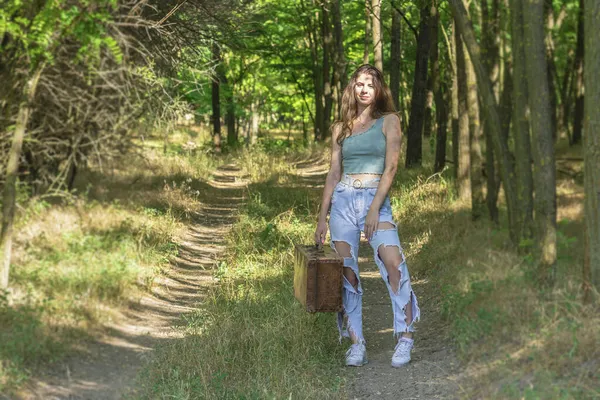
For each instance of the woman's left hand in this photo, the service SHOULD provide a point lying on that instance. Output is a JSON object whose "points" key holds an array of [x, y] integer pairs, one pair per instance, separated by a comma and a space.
{"points": [[371, 223]]}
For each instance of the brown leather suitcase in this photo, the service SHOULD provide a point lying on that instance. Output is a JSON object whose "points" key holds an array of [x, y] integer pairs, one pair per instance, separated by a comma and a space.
{"points": [[318, 278]]}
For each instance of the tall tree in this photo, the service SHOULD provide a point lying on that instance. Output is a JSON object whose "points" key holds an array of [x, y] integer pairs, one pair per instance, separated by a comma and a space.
{"points": [[579, 68], [377, 33], [490, 33], [368, 33], [475, 138], [9, 197], [311, 28], [433, 78], [543, 150], [463, 180], [551, 65], [491, 108], [439, 91], [523, 157], [232, 135], [327, 38], [454, 114], [592, 146], [419, 90], [395, 50], [340, 79], [216, 101]]}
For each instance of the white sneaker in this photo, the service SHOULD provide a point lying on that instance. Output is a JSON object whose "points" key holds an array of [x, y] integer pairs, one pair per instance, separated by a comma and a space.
{"points": [[402, 352], [356, 356]]}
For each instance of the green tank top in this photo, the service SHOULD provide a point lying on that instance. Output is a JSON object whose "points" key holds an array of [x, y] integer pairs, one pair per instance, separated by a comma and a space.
{"points": [[365, 152]]}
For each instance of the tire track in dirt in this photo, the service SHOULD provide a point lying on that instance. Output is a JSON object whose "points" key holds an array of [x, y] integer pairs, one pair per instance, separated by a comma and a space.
{"points": [[107, 368]]}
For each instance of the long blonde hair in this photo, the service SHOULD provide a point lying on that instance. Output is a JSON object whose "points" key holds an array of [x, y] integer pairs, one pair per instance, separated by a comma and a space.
{"points": [[382, 105]]}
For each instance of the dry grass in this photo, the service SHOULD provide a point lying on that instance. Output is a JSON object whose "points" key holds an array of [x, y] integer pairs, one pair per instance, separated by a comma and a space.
{"points": [[516, 339], [76, 261]]}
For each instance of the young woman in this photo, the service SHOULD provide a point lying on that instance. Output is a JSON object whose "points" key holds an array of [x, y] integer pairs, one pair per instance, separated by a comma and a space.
{"points": [[364, 159]]}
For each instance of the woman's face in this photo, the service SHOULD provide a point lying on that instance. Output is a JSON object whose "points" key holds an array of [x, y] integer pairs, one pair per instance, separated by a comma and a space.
{"points": [[364, 90]]}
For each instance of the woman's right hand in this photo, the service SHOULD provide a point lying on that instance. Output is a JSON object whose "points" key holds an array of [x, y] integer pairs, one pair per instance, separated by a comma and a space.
{"points": [[321, 232]]}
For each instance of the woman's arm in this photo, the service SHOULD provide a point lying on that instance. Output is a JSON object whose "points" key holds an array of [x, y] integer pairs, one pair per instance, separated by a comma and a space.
{"points": [[393, 141], [333, 177]]}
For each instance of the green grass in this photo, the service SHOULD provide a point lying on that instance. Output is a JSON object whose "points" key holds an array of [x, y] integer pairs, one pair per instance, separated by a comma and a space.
{"points": [[252, 339]]}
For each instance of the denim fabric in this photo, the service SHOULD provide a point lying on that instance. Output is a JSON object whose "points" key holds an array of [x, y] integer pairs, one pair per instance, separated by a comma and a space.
{"points": [[349, 208]]}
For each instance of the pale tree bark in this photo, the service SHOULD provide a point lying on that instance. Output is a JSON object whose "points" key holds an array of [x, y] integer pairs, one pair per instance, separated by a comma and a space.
{"points": [[475, 138], [523, 157], [216, 101], [368, 33], [592, 148], [454, 111], [9, 197], [464, 149], [579, 68], [377, 33], [418, 98], [543, 151], [395, 56], [551, 65], [491, 108], [256, 120]]}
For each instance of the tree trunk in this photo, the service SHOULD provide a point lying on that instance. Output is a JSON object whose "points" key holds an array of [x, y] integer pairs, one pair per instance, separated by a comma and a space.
{"points": [[340, 79], [579, 68], [216, 102], [434, 72], [417, 106], [9, 197], [490, 106], [255, 121], [441, 112], [592, 148], [463, 181], [377, 33], [524, 176], [454, 112], [368, 28], [491, 60], [327, 37], [551, 65], [317, 78], [543, 150], [232, 137], [395, 50], [475, 136]]}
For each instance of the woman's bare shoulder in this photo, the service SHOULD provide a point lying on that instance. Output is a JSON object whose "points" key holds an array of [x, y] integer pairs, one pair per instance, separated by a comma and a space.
{"points": [[391, 123]]}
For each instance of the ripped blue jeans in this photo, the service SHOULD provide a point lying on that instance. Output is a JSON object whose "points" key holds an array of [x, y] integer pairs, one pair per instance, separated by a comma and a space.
{"points": [[349, 207]]}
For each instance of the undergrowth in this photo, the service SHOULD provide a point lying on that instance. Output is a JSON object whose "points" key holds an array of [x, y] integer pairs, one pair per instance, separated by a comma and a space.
{"points": [[77, 260], [252, 339]]}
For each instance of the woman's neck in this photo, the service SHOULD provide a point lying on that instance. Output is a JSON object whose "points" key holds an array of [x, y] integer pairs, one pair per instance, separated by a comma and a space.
{"points": [[363, 113]]}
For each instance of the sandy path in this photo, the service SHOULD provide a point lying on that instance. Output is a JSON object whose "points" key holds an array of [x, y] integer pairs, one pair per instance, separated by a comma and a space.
{"points": [[107, 368]]}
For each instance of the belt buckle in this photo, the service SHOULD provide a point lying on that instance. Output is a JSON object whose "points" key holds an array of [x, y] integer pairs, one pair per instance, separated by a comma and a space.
{"points": [[357, 184]]}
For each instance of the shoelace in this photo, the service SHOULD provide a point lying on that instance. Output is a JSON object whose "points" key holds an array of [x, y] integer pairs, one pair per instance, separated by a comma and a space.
{"points": [[402, 349]]}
